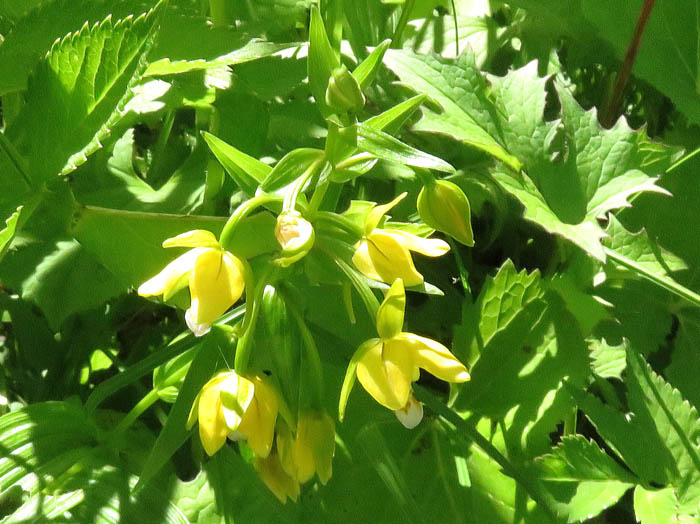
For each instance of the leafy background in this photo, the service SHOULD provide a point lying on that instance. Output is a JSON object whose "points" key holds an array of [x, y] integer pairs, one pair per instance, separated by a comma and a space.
{"points": [[579, 321]]}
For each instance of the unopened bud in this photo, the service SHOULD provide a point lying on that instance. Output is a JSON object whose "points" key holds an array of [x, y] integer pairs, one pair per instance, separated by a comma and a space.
{"points": [[444, 206], [296, 237], [344, 93]]}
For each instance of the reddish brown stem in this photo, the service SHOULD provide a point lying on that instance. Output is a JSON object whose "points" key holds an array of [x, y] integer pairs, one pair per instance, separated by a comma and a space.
{"points": [[612, 110]]}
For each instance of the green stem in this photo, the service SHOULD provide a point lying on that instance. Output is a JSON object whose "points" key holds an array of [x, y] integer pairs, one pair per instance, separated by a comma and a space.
{"points": [[145, 403], [463, 275], [477, 438], [570, 423], [239, 214], [684, 159], [159, 149], [217, 12], [666, 283], [403, 22], [290, 199], [313, 367], [316, 199]]}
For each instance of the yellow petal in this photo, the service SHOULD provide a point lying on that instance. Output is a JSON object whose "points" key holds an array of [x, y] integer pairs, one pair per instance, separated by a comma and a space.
{"points": [[391, 259], [169, 279], [216, 283], [434, 358], [391, 312], [363, 262], [430, 247], [375, 216], [314, 446], [284, 443], [212, 425], [236, 395], [196, 238], [389, 382], [258, 423], [276, 479]]}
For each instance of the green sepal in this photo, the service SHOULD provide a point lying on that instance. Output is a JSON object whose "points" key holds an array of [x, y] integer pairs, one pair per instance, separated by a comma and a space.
{"points": [[321, 62], [391, 311], [351, 374], [367, 70]]}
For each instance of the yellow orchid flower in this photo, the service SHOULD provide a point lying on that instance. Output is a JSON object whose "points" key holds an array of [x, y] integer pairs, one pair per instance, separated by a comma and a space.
{"points": [[215, 278], [386, 366], [385, 254], [233, 406]]}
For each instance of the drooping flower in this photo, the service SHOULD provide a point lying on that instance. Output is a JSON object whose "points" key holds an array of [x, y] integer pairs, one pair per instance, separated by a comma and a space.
{"points": [[313, 447], [214, 276], [233, 405], [385, 254], [386, 366], [276, 478], [443, 206]]}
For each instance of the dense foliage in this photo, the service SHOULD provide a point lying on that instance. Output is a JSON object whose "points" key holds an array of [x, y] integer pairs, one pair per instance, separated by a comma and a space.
{"points": [[238, 235]]}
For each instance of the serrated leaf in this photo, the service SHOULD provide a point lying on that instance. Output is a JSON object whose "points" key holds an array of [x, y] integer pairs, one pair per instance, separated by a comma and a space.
{"points": [[582, 478], [38, 28], [640, 248], [655, 506], [82, 83], [608, 361], [574, 170], [517, 377], [460, 89], [662, 409], [8, 232]]}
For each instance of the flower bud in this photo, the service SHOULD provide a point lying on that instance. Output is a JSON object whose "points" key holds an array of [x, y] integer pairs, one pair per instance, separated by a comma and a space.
{"points": [[444, 206], [344, 93], [295, 235]]}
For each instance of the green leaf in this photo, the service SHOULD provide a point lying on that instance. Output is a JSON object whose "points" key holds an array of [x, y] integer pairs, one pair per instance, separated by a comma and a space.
{"points": [[38, 28], [386, 147], [82, 84], [322, 61], [532, 345], [174, 432], [246, 171], [573, 170], [391, 120], [291, 167], [663, 410], [502, 298], [583, 479], [608, 361], [657, 506], [461, 90], [8, 232], [683, 370], [253, 49]]}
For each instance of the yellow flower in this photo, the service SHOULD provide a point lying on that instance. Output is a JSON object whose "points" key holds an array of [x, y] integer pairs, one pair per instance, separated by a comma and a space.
{"points": [[313, 448], [214, 276], [295, 235], [386, 366], [231, 405], [385, 254]]}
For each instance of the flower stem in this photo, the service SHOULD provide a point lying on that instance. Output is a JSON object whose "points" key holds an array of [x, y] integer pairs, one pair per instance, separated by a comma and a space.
{"points": [[239, 214], [138, 410]]}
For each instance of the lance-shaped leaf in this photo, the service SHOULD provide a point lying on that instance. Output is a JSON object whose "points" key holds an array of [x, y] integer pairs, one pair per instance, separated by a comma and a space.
{"points": [[246, 171]]}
